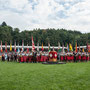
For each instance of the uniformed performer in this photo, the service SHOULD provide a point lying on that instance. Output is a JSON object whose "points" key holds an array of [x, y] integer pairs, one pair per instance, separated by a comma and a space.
{"points": [[27, 57], [62, 56], [34, 57], [47, 56], [42, 57], [30, 57], [15, 56], [74, 53], [3, 57], [38, 56], [87, 56]]}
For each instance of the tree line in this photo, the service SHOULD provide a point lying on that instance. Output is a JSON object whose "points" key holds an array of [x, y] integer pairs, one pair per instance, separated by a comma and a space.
{"points": [[52, 36]]}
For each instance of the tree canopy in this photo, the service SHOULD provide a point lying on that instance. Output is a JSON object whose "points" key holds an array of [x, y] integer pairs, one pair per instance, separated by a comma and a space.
{"points": [[53, 36]]}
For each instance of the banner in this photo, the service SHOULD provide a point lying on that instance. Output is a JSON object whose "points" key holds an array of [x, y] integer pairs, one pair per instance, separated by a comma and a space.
{"points": [[89, 48], [6, 47], [15, 46], [33, 46], [1, 47]]}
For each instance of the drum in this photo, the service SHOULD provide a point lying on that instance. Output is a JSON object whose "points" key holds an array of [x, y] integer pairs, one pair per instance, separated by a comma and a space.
{"points": [[52, 56]]}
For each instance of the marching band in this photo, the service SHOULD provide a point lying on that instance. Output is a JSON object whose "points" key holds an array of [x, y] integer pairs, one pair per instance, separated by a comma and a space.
{"points": [[43, 56]]}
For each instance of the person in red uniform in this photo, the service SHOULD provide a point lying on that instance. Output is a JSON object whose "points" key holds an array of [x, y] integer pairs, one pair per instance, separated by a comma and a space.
{"points": [[68, 57], [72, 57], [87, 56], [42, 56], [83, 56], [25, 57], [65, 57], [22, 59], [79, 56], [38, 56], [61, 56], [44, 60]]}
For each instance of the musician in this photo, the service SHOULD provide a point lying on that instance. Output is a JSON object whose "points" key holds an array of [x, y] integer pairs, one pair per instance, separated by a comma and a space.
{"points": [[42, 57], [3, 57], [8, 57], [38, 56], [47, 56], [34, 57], [87, 56], [12, 56], [74, 53], [15, 57]]}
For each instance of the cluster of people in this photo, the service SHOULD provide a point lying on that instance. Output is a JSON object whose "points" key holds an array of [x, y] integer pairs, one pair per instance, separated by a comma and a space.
{"points": [[73, 56], [26, 57], [44, 56], [10, 56]]}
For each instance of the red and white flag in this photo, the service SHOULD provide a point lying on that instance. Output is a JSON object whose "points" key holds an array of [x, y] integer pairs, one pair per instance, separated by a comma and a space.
{"points": [[15, 46], [6, 47], [1, 47], [33, 46]]}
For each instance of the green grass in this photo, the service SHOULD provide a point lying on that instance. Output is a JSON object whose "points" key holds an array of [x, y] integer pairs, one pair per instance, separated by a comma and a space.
{"points": [[27, 76]]}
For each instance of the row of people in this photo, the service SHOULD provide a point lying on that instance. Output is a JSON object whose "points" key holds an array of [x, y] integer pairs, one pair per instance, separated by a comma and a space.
{"points": [[33, 57], [74, 56], [44, 56], [9, 56], [26, 57]]}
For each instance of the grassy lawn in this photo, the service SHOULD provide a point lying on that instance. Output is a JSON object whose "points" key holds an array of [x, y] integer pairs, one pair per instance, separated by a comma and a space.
{"points": [[27, 76]]}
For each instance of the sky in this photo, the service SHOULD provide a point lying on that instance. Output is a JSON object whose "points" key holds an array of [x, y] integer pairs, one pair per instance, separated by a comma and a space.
{"points": [[31, 14]]}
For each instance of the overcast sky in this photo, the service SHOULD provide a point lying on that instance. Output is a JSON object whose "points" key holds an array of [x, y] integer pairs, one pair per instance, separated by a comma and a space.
{"points": [[30, 14]]}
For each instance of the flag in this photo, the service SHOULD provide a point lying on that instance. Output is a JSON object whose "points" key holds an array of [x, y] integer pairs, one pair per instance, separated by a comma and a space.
{"points": [[10, 46], [53, 48], [22, 50], [87, 47], [42, 47], [76, 47], [27, 49], [70, 47], [18, 50], [67, 48], [49, 47], [6, 47], [82, 49], [59, 47], [79, 49], [38, 47], [1, 47], [33, 46], [63, 49], [15, 46]]}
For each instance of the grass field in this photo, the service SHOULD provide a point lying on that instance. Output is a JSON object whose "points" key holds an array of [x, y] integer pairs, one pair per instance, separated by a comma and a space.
{"points": [[27, 76]]}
